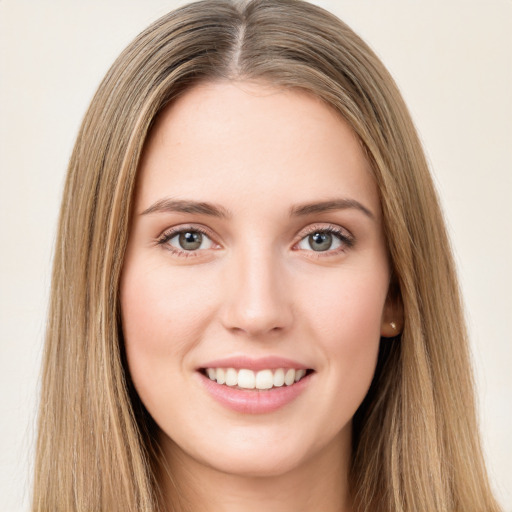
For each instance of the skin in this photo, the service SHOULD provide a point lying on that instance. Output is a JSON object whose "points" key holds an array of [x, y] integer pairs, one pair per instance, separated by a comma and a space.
{"points": [[255, 288]]}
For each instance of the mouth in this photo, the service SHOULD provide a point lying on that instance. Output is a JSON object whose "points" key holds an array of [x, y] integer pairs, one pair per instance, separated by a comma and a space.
{"points": [[255, 385], [250, 380]]}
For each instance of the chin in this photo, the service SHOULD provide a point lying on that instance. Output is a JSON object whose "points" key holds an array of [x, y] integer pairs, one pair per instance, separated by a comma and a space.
{"points": [[262, 454], [266, 465]]}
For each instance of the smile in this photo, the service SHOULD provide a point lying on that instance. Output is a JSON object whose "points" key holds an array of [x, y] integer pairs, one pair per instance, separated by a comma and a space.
{"points": [[261, 380]]}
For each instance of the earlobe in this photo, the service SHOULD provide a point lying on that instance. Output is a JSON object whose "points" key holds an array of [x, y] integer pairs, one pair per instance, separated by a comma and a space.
{"points": [[392, 316], [390, 330]]}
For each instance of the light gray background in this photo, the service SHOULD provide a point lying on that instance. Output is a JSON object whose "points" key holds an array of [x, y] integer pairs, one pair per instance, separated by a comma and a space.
{"points": [[453, 62]]}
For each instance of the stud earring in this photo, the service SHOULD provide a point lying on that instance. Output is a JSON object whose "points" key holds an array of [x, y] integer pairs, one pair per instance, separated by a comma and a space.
{"points": [[393, 325]]}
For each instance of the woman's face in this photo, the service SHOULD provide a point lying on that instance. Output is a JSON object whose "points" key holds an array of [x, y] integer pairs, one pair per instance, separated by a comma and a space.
{"points": [[256, 256]]}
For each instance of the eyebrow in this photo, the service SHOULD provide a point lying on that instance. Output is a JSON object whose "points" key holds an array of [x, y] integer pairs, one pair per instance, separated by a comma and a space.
{"points": [[169, 205], [330, 205]]}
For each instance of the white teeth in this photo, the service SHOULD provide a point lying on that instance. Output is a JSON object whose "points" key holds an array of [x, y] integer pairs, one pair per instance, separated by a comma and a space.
{"points": [[264, 379], [231, 377], [221, 375], [248, 379], [289, 377], [299, 374], [279, 378]]}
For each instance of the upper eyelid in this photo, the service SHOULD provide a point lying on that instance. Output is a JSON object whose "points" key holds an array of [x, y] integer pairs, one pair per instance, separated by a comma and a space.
{"points": [[319, 226], [180, 228], [323, 227]]}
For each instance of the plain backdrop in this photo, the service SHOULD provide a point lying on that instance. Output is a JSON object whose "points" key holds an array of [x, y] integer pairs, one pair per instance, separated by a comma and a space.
{"points": [[452, 59]]}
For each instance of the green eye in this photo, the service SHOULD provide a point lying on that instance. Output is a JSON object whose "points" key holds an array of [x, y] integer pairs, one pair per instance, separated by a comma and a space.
{"points": [[324, 240], [190, 240], [320, 241], [187, 240]]}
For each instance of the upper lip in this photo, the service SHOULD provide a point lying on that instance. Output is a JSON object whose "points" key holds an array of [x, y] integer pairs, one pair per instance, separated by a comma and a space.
{"points": [[255, 364]]}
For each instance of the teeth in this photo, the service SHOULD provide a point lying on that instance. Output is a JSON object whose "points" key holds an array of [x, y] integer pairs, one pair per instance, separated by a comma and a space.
{"points": [[299, 374], [231, 377], [279, 378], [289, 377], [264, 379], [221, 375], [248, 379]]}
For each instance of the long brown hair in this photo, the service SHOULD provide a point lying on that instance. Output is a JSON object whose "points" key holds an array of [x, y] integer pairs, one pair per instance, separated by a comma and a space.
{"points": [[416, 442]]}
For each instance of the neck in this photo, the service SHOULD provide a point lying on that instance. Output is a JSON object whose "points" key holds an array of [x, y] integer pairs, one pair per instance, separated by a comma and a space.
{"points": [[320, 483]]}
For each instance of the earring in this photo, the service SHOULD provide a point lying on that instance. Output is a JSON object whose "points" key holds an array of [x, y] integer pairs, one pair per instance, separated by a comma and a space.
{"points": [[393, 325]]}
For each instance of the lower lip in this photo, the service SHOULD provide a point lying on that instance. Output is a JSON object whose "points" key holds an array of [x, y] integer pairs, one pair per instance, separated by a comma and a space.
{"points": [[254, 401]]}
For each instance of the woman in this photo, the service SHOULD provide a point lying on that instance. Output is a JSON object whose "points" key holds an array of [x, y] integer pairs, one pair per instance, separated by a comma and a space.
{"points": [[254, 302]]}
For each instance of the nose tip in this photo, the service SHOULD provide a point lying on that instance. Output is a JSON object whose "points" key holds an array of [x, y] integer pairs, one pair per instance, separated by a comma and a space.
{"points": [[258, 302], [255, 321]]}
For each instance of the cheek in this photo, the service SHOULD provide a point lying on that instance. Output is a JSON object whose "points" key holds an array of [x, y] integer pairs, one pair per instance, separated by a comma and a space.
{"points": [[161, 310], [162, 318], [348, 305], [346, 316]]}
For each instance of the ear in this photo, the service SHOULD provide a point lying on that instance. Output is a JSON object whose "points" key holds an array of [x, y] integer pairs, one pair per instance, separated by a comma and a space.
{"points": [[392, 314]]}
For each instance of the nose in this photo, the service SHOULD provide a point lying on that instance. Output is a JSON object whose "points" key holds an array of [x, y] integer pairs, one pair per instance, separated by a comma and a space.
{"points": [[258, 300]]}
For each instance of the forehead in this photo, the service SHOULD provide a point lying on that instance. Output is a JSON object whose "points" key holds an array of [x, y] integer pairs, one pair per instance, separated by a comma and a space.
{"points": [[247, 141]]}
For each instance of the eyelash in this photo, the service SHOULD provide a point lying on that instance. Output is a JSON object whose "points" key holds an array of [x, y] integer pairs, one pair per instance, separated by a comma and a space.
{"points": [[171, 233], [347, 241]]}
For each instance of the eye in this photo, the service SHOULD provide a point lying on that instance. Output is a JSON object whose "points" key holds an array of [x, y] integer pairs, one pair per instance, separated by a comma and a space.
{"points": [[331, 239], [186, 240]]}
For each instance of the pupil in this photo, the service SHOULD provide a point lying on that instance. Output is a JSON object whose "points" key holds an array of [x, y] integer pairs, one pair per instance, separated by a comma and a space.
{"points": [[190, 240], [320, 241]]}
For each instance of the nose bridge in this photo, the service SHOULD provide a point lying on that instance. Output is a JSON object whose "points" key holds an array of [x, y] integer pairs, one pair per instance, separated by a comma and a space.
{"points": [[258, 299]]}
